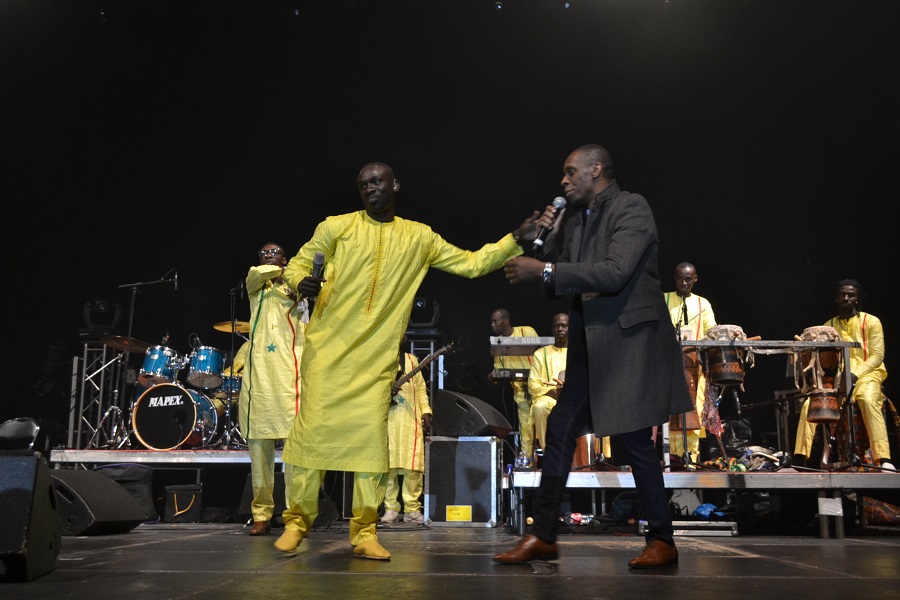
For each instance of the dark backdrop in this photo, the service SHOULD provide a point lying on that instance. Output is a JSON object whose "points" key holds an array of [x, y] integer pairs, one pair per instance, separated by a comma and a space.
{"points": [[149, 136]]}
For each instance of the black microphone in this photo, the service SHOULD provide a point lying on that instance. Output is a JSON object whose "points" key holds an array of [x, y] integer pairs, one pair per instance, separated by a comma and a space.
{"points": [[559, 203], [684, 310], [317, 267], [176, 281]]}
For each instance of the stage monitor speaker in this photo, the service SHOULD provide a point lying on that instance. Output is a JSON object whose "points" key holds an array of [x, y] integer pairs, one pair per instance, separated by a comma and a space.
{"points": [[93, 504], [30, 529], [457, 414]]}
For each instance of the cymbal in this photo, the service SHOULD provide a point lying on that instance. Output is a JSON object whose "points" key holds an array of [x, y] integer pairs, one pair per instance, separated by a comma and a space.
{"points": [[118, 342], [239, 326]]}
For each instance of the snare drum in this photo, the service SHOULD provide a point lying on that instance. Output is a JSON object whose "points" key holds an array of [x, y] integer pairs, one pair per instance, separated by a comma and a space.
{"points": [[207, 364], [725, 364], [159, 366], [168, 416]]}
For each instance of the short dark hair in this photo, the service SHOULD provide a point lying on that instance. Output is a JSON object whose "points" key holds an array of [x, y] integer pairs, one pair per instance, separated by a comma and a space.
{"points": [[596, 153], [860, 293]]}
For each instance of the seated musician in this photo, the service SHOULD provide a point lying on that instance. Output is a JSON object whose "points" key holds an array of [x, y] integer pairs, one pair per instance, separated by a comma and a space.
{"points": [[501, 326], [546, 379], [867, 373]]}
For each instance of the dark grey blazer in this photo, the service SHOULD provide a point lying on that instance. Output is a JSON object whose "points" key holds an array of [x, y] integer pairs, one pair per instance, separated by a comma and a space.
{"points": [[608, 264]]}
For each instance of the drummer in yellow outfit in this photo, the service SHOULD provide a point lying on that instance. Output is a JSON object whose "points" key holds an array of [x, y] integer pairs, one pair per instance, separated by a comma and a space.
{"points": [[693, 315], [867, 372], [374, 265]]}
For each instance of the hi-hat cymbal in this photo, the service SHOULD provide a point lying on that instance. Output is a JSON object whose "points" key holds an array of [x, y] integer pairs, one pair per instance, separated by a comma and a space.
{"points": [[239, 326], [118, 342]]}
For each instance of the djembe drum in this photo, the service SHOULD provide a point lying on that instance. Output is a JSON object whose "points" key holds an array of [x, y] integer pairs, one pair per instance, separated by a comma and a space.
{"points": [[725, 365], [819, 369]]}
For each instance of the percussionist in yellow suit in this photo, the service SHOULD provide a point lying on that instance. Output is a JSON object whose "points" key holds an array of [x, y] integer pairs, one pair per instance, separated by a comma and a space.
{"points": [[408, 422], [693, 315], [547, 377], [374, 265]]}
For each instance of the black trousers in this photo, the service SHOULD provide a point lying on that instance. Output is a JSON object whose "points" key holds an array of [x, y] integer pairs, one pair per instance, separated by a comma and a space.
{"points": [[571, 418]]}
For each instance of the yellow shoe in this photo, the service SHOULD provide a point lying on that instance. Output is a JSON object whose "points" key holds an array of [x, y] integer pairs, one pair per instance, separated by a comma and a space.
{"points": [[289, 540], [372, 549]]}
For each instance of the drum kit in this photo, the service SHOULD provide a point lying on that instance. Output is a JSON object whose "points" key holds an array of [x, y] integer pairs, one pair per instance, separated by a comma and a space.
{"points": [[168, 415]]}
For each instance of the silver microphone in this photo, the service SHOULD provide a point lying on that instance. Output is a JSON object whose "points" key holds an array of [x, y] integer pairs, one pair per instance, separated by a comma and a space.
{"points": [[559, 203], [176, 281]]}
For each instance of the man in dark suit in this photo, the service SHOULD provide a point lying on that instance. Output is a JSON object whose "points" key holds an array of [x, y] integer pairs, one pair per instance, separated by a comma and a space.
{"points": [[619, 332]]}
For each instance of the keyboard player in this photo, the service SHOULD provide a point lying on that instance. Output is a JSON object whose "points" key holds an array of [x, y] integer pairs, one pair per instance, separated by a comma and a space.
{"points": [[501, 326]]}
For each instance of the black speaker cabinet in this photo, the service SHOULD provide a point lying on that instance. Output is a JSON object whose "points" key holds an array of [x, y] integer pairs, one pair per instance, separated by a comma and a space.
{"points": [[93, 504], [30, 529], [463, 481], [457, 414]]}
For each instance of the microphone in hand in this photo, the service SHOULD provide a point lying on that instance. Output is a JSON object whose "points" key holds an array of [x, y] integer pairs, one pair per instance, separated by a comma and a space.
{"points": [[559, 203], [318, 265]]}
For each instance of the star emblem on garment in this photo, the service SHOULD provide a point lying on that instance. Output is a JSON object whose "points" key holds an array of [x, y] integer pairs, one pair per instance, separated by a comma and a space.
{"points": [[271, 347]]}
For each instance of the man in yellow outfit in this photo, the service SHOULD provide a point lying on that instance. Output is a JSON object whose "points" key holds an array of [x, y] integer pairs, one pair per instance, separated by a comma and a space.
{"points": [[867, 374], [374, 264], [693, 315], [502, 326], [408, 421], [547, 377], [270, 386]]}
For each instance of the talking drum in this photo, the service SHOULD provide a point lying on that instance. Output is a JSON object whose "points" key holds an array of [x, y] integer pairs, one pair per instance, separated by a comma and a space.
{"points": [[820, 369], [823, 406], [725, 365], [690, 419], [207, 364], [168, 416], [159, 366], [820, 365]]}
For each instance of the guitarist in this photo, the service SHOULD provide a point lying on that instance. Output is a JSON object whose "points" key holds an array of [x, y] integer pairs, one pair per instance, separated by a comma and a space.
{"points": [[409, 419]]}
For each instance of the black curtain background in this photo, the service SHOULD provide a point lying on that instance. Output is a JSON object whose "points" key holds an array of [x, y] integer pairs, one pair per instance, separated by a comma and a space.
{"points": [[149, 136]]}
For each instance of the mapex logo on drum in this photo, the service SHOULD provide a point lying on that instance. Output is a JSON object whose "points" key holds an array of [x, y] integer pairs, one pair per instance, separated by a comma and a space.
{"points": [[167, 401]]}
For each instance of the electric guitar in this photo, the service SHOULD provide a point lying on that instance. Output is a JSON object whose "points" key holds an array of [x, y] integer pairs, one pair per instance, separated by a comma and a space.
{"points": [[422, 364]]}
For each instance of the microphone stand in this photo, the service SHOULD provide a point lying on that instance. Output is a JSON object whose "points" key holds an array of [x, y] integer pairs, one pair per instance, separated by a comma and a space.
{"points": [[121, 378]]}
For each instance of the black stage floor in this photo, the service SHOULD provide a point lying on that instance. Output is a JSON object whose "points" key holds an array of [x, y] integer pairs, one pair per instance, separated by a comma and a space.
{"points": [[219, 561]]}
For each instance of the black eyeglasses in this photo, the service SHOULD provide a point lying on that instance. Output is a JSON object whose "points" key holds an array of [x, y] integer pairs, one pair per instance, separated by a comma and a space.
{"points": [[270, 252]]}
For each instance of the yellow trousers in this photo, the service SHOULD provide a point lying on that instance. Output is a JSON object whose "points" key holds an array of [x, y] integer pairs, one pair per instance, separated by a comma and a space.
{"points": [[262, 479], [411, 490], [303, 506]]}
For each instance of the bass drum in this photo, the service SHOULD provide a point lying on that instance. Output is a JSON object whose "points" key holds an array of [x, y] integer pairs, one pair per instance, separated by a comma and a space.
{"points": [[168, 416]]}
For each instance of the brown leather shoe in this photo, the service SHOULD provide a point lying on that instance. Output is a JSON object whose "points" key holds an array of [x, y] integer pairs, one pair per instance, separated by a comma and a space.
{"points": [[530, 548], [259, 528], [655, 554]]}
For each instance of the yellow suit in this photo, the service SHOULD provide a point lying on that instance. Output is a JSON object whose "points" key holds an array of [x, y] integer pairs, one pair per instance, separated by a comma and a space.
{"points": [[270, 385], [373, 271], [700, 318], [406, 441], [867, 363], [520, 390], [546, 364]]}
